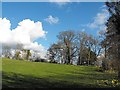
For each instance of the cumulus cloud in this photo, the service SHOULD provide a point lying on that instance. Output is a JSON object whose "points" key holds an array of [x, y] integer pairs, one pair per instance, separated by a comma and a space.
{"points": [[34, 29], [34, 46], [100, 19], [52, 20], [5, 33], [25, 33], [0, 49], [60, 2], [41, 50]]}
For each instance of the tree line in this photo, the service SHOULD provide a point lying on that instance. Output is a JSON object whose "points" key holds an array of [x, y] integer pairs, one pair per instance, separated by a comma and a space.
{"points": [[18, 52], [78, 47]]}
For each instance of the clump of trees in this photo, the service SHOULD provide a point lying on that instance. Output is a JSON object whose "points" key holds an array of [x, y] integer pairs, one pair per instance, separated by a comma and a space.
{"points": [[6, 51], [19, 52], [76, 47]]}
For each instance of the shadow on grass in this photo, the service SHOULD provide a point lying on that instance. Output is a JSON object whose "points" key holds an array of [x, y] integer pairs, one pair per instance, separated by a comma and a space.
{"points": [[13, 80], [96, 76]]}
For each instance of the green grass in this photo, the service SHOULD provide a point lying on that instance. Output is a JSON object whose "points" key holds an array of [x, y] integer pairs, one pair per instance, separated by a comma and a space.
{"points": [[25, 74]]}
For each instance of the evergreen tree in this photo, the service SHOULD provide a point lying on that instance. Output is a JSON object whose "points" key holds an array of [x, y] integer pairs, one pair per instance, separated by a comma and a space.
{"points": [[112, 39]]}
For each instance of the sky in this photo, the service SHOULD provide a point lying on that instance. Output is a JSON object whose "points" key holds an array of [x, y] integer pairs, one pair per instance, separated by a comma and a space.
{"points": [[36, 24]]}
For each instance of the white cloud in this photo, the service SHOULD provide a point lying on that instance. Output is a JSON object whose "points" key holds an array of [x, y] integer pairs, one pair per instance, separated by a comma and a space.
{"points": [[0, 49], [37, 48], [60, 2], [104, 6], [100, 19], [52, 20], [34, 29], [5, 32], [25, 33], [34, 46]]}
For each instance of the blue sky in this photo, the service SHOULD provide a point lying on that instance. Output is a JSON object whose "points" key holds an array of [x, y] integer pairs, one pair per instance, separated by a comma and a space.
{"points": [[70, 16]]}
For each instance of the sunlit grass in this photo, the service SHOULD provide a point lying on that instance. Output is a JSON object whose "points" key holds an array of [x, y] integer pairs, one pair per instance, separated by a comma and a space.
{"points": [[18, 73]]}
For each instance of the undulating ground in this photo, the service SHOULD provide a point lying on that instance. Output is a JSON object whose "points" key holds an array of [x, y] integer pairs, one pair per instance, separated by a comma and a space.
{"points": [[26, 74]]}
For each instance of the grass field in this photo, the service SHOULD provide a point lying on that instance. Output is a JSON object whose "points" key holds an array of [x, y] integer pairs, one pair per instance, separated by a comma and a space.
{"points": [[25, 74]]}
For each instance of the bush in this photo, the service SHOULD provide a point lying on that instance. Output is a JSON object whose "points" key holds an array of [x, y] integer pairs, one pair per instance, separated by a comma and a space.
{"points": [[100, 69], [105, 65], [112, 83]]}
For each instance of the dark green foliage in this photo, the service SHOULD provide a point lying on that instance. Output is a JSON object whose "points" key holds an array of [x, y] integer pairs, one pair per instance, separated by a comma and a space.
{"points": [[112, 40], [105, 65]]}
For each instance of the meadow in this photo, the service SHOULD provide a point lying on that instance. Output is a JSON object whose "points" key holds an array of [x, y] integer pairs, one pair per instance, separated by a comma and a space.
{"points": [[26, 74]]}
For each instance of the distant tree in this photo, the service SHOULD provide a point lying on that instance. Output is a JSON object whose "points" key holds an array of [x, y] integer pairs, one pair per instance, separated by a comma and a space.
{"points": [[17, 51], [64, 51], [6, 51], [72, 47], [28, 54], [67, 38], [54, 52], [17, 55], [88, 47], [97, 49], [102, 41], [81, 36]]}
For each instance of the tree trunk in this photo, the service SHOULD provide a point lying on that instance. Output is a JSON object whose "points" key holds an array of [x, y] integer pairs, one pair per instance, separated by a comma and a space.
{"points": [[88, 62], [68, 56], [119, 74], [79, 62], [89, 56], [105, 51], [118, 70]]}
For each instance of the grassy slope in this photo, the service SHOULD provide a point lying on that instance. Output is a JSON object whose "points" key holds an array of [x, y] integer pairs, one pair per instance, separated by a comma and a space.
{"points": [[33, 74]]}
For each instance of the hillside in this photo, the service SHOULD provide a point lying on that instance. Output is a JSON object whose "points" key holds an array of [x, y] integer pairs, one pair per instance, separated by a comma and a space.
{"points": [[17, 74]]}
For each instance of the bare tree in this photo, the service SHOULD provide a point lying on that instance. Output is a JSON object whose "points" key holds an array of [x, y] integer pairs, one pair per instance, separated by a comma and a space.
{"points": [[55, 52], [17, 51], [6, 51], [67, 38], [81, 36], [72, 46], [87, 48]]}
